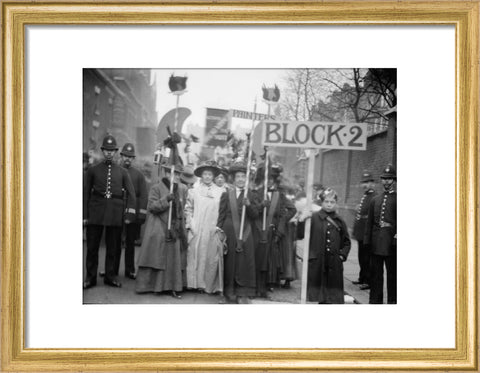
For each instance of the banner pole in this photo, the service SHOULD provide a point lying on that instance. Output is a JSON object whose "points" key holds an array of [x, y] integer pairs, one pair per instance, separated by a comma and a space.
{"points": [[306, 240], [249, 163], [172, 175], [264, 225]]}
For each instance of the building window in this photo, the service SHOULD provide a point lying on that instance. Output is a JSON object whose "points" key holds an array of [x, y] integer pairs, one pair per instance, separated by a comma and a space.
{"points": [[97, 90]]}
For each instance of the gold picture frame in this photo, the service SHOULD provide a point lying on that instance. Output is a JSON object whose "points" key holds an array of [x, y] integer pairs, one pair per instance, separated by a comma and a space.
{"points": [[16, 15]]}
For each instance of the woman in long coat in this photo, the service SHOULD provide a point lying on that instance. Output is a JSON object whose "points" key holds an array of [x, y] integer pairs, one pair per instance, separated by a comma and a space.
{"points": [[239, 260], [270, 249], [159, 262], [204, 267]]}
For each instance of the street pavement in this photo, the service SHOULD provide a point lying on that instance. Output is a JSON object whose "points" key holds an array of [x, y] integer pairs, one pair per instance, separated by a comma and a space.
{"points": [[102, 294]]}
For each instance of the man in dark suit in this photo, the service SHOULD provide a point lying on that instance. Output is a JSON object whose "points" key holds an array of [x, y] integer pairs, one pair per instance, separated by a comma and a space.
{"points": [[103, 207], [381, 237], [132, 230], [368, 186]]}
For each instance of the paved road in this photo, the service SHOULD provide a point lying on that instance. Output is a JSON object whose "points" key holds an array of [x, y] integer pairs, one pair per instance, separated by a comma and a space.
{"points": [[102, 294]]}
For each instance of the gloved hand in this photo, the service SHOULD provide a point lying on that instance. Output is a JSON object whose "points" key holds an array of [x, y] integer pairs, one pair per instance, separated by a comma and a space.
{"points": [[277, 236], [246, 201], [266, 203], [170, 197]]}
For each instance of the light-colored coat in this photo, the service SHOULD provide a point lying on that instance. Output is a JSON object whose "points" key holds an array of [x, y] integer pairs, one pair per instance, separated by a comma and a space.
{"points": [[203, 255]]}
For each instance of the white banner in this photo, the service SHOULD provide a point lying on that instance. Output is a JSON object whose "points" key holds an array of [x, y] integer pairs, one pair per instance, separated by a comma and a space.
{"points": [[324, 135]]}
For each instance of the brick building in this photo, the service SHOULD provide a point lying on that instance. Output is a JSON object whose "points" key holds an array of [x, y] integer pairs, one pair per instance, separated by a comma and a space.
{"points": [[120, 102], [341, 169]]}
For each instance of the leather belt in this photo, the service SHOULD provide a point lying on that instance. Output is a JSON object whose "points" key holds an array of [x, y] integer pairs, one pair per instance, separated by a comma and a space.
{"points": [[106, 196], [384, 224]]}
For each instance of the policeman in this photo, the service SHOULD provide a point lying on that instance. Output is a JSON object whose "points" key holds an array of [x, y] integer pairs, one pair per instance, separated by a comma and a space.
{"points": [[381, 236], [132, 230], [103, 207], [368, 186]]}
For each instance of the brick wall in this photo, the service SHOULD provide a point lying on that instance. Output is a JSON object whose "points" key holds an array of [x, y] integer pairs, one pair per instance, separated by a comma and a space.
{"points": [[342, 171]]}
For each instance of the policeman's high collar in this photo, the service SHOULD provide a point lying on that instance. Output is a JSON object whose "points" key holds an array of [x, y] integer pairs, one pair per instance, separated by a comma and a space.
{"points": [[108, 162]]}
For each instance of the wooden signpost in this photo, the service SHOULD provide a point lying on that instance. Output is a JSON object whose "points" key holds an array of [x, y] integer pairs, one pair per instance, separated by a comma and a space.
{"points": [[312, 136]]}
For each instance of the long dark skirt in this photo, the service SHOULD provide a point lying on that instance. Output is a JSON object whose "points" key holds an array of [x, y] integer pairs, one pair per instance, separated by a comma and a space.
{"points": [[169, 279], [288, 252], [239, 267]]}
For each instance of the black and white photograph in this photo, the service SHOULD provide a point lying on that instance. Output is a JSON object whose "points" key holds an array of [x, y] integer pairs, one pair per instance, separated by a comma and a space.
{"points": [[240, 186]]}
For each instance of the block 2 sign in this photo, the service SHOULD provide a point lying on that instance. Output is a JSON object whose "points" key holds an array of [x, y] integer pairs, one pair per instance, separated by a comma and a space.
{"points": [[325, 135], [320, 135]]}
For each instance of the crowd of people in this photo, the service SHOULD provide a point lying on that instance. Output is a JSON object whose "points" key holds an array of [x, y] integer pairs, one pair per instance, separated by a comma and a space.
{"points": [[215, 230]]}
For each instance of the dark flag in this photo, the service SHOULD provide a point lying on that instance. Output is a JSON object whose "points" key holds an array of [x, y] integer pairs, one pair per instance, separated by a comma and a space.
{"points": [[271, 94], [177, 83]]}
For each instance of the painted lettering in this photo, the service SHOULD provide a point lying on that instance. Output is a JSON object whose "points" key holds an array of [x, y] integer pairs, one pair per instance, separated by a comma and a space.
{"points": [[285, 140], [335, 133], [314, 134], [272, 132], [356, 131], [302, 138]]}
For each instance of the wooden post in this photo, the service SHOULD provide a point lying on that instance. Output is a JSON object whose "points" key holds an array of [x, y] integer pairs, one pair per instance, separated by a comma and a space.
{"points": [[306, 241]]}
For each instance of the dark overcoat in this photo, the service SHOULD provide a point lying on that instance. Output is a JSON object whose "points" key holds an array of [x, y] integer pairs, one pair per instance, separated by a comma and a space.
{"points": [[97, 209], [239, 266], [362, 215], [269, 254], [329, 248], [141, 194], [381, 226], [159, 261]]}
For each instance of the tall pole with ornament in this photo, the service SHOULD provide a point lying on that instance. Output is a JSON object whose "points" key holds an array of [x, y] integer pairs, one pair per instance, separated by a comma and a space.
{"points": [[178, 86], [249, 164], [270, 97]]}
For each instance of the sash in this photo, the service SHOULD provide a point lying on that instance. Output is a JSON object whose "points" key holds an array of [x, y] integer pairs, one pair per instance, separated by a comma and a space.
{"points": [[236, 218], [331, 221], [271, 212], [273, 206]]}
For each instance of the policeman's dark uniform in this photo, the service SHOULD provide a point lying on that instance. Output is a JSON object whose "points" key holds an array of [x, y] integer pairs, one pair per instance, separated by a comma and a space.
{"points": [[132, 230], [359, 231], [381, 236], [103, 207]]}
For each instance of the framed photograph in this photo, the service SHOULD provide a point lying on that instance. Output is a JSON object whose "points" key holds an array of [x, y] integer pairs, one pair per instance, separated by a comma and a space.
{"points": [[230, 152]]}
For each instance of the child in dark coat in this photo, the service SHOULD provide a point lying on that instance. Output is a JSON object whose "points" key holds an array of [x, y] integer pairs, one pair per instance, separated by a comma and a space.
{"points": [[329, 248]]}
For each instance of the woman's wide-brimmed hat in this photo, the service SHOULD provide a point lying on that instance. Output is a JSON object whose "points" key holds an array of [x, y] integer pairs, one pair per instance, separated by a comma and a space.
{"points": [[187, 175], [237, 167], [207, 165]]}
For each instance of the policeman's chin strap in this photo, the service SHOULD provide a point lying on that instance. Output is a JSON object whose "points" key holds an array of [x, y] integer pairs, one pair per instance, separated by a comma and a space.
{"points": [[388, 187]]}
